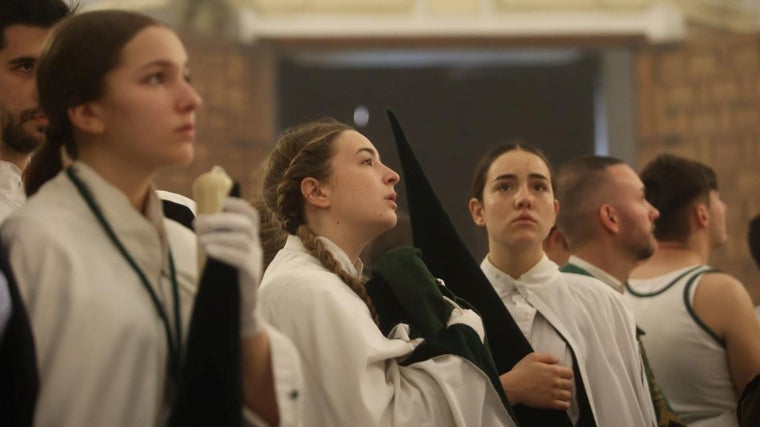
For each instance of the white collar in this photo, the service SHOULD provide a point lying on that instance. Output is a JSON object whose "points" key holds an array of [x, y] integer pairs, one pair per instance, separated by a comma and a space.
{"points": [[597, 273], [339, 254], [541, 274]]}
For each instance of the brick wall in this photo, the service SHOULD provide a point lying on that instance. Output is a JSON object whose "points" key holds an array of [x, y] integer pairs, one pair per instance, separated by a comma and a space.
{"points": [[235, 125], [701, 99]]}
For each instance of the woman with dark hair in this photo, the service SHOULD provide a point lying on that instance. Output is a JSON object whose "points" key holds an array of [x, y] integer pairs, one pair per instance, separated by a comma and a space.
{"points": [[587, 361], [327, 195], [108, 281]]}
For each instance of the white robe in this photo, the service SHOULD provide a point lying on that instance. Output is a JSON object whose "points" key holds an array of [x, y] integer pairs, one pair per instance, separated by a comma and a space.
{"points": [[351, 371], [101, 346], [12, 193], [597, 325]]}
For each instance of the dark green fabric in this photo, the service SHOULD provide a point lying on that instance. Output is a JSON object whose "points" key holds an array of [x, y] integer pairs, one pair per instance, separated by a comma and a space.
{"points": [[404, 291], [572, 268], [414, 288], [461, 340]]}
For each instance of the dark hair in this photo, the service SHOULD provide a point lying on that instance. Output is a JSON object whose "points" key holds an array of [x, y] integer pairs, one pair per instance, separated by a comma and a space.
{"points": [[753, 237], [32, 13], [481, 170], [77, 56], [673, 184], [301, 152], [577, 181]]}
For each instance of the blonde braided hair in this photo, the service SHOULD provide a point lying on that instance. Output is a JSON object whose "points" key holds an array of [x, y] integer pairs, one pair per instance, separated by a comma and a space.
{"points": [[301, 152]]}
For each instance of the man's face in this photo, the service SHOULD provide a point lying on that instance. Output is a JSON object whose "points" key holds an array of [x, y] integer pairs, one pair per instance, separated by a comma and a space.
{"points": [[637, 215], [21, 120]]}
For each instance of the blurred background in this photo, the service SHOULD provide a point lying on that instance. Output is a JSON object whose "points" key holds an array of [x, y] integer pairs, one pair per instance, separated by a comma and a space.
{"points": [[627, 78]]}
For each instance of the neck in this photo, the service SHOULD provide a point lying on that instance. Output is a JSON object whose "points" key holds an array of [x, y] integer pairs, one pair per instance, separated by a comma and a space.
{"points": [[671, 256], [339, 233], [10, 156], [612, 260], [514, 261], [132, 181]]}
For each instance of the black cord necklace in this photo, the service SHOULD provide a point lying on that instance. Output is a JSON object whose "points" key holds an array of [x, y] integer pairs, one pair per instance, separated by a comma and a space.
{"points": [[174, 342]]}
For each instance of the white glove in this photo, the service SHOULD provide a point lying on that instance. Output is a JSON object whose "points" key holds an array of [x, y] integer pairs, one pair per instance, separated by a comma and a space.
{"points": [[232, 236]]}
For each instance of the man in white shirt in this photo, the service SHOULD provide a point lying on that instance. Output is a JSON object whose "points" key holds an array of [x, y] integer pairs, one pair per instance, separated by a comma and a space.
{"points": [[24, 24], [607, 224]]}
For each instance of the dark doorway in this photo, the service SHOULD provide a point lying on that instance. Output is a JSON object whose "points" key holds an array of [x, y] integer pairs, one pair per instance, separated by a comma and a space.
{"points": [[453, 108]]}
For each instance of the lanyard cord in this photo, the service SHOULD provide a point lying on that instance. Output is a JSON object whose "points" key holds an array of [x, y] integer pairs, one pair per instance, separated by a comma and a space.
{"points": [[174, 343]]}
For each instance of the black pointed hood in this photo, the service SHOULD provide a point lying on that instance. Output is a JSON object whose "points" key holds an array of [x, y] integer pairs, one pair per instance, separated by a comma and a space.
{"points": [[447, 257]]}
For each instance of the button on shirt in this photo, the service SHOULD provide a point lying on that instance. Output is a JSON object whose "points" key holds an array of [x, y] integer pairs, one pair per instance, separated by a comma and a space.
{"points": [[12, 195], [516, 295]]}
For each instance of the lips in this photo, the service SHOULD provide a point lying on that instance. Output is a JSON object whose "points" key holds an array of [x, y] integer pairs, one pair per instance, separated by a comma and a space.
{"points": [[392, 199], [524, 218], [187, 130]]}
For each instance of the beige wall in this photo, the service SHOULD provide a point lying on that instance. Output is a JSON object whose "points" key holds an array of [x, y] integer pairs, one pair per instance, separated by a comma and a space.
{"points": [[701, 99], [236, 122]]}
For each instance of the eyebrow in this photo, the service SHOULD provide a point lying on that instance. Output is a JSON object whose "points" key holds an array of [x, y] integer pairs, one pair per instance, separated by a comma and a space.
{"points": [[22, 60], [513, 176], [366, 150], [164, 63]]}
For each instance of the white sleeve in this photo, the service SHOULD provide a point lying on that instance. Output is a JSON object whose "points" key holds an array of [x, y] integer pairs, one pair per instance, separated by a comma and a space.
{"points": [[288, 382], [353, 374]]}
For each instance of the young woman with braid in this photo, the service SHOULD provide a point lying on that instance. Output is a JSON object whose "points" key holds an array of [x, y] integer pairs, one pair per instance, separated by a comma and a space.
{"points": [[329, 194]]}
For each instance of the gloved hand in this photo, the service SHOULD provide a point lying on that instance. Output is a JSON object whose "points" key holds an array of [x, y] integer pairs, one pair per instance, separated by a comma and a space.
{"points": [[232, 236]]}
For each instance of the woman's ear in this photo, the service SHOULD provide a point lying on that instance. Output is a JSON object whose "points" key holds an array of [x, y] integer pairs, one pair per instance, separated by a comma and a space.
{"points": [[85, 118], [314, 193], [476, 210]]}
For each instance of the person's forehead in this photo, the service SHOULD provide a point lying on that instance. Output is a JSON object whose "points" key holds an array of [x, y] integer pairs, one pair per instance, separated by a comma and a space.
{"points": [[518, 162], [24, 37]]}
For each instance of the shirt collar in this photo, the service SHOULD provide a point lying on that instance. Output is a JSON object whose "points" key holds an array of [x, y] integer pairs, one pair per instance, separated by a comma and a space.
{"points": [[597, 272], [11, 185], [539, 275], [340, 255]]}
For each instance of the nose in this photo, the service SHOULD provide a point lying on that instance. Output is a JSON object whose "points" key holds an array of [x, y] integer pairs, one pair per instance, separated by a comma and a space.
{"points": [[654, 212], [189, 100], [523, 198], [391, 177]]}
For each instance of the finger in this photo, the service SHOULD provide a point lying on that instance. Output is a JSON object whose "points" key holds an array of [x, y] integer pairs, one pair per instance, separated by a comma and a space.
{"points": [[562, 405], [563, 384], [234, 204], [563, 371], [229, 256], [562, 395], [545, 358], [233, 241], [224, 221]]}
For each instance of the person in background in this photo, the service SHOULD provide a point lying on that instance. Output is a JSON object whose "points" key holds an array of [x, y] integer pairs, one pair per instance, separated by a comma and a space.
{"points": [[327, 191], [24, 24], [702, 337], [608, 225], [587, 361], [108, 281]]}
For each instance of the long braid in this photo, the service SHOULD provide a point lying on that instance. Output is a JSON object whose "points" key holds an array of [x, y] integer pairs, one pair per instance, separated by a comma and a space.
{"points": [[301, 152], [318, 250]]}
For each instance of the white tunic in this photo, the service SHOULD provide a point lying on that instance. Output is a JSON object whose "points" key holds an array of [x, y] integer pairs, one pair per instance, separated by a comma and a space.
{"points": [[101, 345], [689, 361], [582, 315], [351, 371], [12, 194]]}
